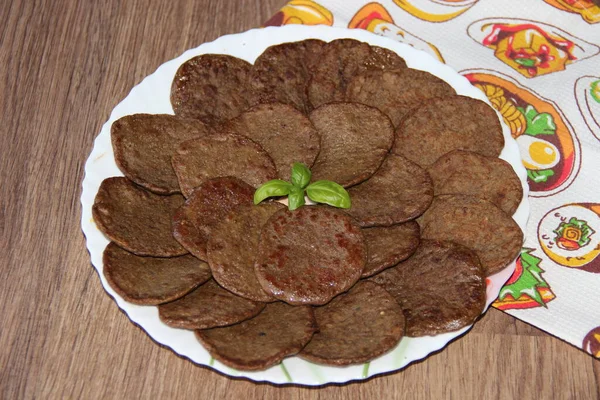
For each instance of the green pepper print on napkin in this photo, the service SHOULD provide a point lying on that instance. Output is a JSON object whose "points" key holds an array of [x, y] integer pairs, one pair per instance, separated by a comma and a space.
{"points": [[537, 123]]}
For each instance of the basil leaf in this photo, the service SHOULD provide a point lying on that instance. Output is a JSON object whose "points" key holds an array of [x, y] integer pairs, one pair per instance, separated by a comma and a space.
{"points": [[300, 175], [296, 198], [328, 192], [276, 187]]}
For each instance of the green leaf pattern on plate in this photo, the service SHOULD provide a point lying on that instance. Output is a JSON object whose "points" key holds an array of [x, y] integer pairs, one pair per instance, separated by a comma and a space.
{"points": [[286, 372]]}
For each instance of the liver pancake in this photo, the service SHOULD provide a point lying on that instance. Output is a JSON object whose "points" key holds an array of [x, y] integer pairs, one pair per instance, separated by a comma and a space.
{"points": [[207, 307], [232, 249], [280, 330], [143, 145], [441, 125], [206, 207], [212, 88], [356, 327], [198, 160], [284, 132], [310, 255], [399, 191], [282, 72], [152, 280], [340, 61], [441, 288], [354, 141], [489, 178], [476, 224], [388, 245], [396, 92], [137, 220]]}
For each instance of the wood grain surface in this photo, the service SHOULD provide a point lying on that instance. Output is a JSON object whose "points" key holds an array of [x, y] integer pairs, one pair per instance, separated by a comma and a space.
{"points": [[65, 65]]}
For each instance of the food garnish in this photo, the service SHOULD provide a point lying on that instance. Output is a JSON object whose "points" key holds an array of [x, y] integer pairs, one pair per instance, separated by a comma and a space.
{"points": [[323, 191]]}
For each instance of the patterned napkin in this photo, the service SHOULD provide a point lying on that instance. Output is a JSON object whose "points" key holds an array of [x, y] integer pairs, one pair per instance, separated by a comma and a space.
{"points": [[538, 62]]}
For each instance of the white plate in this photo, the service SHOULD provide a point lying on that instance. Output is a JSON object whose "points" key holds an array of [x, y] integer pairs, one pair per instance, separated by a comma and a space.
{"points": [[152, 96]]}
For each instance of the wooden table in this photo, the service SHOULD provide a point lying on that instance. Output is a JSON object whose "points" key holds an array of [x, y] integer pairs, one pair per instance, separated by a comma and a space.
{"points": [[65, 65]]}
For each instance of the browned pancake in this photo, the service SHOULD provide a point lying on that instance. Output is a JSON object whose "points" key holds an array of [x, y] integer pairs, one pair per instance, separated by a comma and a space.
{"points": [[207, 307], [281, 73], [309, 255], [152, 280], [340, 61], [489, 178], [280, 330], [399, 191], [206, 207], [396, 92], [388, 245], [232, 249], [198, 160], [212, 88], [136, 219], [476, 224], [284, 132], [143, 146], [354, 141], [441, 125], [441, 288], [356, 327]]}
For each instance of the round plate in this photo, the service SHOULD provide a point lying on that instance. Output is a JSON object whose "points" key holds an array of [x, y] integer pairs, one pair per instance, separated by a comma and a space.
{"points": [[152, 96]]}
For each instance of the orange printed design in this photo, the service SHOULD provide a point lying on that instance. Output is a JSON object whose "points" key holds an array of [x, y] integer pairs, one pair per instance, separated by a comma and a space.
{"points": [[591, 342], [587, 94], [530, 48], [435, 10], [570, 236], [303, 12], [549, 149], [526, 288], [588, 9], [373, 17]]}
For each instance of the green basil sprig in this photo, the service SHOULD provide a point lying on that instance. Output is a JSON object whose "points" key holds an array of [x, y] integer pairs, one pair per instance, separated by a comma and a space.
{"points": [[323, 191]]}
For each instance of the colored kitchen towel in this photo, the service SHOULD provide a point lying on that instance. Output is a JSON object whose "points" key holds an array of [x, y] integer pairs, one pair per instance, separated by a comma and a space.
{"points": [[538, 62]]}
